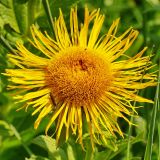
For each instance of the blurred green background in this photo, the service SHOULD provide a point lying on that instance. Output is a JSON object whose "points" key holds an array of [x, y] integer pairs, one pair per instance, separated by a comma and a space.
{"points": [[18, 139]]}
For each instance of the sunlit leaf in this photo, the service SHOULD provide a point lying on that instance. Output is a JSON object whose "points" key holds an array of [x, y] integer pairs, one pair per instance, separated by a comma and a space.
{"points": [[49, 144]]}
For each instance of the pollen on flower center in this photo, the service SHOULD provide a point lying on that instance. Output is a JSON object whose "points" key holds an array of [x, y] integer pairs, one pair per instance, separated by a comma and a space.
{"points": [[78, 76]]}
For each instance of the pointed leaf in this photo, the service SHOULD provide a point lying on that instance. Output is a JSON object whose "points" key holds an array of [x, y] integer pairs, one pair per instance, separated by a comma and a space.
{"points": [[49, 144]]}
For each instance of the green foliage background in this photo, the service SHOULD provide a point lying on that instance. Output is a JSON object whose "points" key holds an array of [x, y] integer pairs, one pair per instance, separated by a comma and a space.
{"points": [[19, 140]]}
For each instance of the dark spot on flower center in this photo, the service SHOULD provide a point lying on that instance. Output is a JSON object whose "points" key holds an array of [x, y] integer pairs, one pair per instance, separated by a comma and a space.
{"points": [[82, 65]]}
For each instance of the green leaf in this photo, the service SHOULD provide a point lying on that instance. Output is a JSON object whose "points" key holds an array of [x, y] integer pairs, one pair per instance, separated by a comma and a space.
{"points": [[20, 11], [65, 5], [49, 144], [70, 152], [89, 152], [122, 146], [5, 130], [140, 126], [19, 14], [7, 16]]}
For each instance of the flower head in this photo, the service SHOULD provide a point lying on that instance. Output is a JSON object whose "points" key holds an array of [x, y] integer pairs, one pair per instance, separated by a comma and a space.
{"points": [[78, 78]]}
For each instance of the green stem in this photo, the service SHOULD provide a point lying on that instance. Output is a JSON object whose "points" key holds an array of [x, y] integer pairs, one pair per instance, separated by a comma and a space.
{"points": [[20, 139], [32, 13], [158, 137], [130, 132], [159, 120], [48, 13], [131, 119], [148, 152]]}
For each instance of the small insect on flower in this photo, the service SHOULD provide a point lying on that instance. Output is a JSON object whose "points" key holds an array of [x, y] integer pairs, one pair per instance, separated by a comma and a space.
{"points": [[53, 100], [81, 78]]}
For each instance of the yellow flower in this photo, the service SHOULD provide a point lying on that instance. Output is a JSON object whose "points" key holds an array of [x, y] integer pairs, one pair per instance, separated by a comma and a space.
{"points": [[78, 78]]}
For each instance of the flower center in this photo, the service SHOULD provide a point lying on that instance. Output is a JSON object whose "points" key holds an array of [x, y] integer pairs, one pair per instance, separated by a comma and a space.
{"points": [[78, 76]]}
